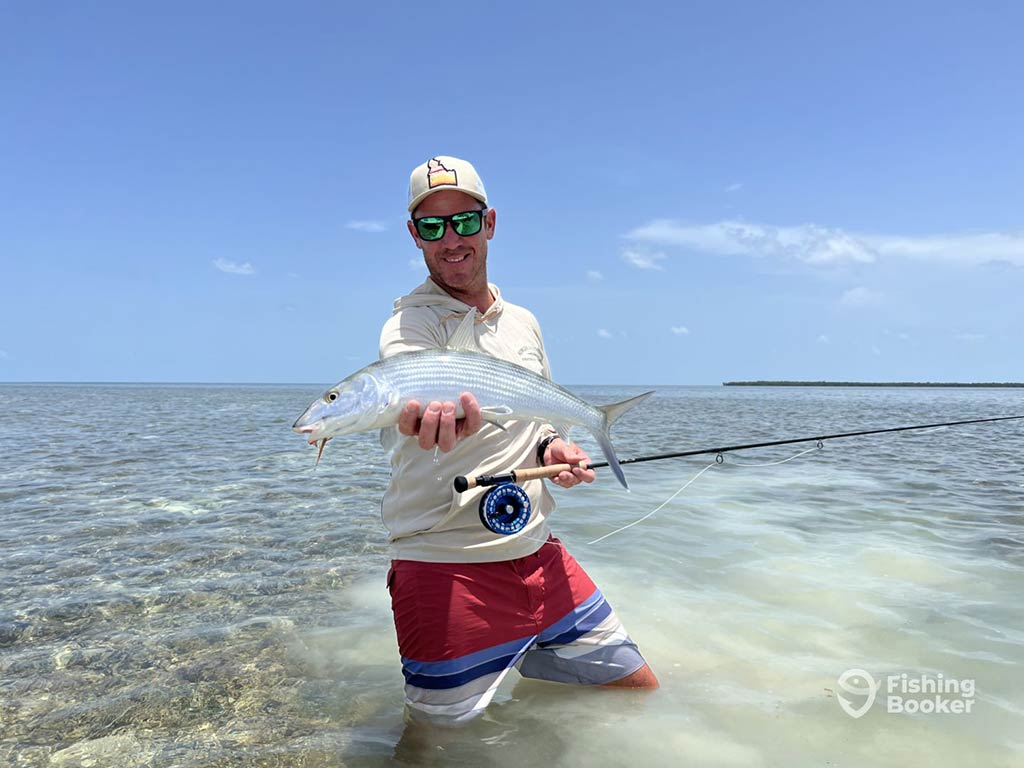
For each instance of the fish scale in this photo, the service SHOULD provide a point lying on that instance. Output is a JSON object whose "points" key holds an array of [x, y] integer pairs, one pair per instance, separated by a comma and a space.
{"points": [[428, 375]]}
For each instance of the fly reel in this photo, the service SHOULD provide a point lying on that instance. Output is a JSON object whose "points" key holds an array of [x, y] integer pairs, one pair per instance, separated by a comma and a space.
{"points": [[505, 509]]}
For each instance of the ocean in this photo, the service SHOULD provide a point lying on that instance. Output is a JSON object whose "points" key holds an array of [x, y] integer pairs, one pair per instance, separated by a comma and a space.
{"points": [[180, 587]]}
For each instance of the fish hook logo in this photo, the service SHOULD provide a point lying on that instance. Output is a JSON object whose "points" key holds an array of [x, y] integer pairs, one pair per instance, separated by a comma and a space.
{"points": [[848, 681]]}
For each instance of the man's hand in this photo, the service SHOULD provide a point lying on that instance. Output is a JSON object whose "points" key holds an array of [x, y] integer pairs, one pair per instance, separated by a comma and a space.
{"points": [[439, 426], [558, 452]]}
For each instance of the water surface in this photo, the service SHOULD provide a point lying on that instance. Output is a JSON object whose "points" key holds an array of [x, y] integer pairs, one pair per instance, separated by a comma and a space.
{"points": [[179, 587]]}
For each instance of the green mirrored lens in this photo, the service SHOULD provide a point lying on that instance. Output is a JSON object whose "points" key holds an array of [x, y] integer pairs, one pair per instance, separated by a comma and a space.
{"points": [[430, 228], [466, 224]]}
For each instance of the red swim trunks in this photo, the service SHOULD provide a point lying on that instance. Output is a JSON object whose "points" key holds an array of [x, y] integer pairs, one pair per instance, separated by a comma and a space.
{"points": [[462, 626]]}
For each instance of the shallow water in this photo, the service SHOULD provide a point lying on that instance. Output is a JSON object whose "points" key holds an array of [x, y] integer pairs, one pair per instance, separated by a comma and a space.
{"points": [[180, 588]]}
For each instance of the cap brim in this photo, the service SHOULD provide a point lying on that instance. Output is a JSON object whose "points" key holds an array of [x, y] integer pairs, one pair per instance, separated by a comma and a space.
{"points": [[424, 195]]}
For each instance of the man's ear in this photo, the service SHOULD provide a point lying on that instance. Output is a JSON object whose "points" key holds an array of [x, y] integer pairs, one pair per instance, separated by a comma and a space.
{"points": [[415, 236], [489, 220]]}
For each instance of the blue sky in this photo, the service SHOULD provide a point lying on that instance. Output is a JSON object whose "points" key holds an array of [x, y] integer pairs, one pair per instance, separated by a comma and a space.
{"points": [[686, 192]]}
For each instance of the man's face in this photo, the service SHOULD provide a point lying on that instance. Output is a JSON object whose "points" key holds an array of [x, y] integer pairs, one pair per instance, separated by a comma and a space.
{"points": [[457, 264]]}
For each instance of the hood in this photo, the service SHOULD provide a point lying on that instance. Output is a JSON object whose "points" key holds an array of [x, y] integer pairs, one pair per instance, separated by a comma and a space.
{"points": [[431, 295]]}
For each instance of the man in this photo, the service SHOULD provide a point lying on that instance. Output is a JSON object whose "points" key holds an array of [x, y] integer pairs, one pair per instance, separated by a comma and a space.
{"points": [[470, 604]]}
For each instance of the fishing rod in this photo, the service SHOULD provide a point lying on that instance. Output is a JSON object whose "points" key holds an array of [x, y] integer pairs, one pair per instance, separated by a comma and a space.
{"points": [[463, 483]]}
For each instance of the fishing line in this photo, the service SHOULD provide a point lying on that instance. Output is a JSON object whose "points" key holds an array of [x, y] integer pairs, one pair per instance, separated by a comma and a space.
{"points": [[660, 506], [694, 478]]}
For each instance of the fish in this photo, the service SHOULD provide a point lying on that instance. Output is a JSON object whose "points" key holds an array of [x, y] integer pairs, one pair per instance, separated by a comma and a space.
{"points": [[373, 397]]}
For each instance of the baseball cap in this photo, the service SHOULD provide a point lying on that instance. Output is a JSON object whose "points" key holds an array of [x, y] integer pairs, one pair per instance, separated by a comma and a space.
{"points": [[444, 172]]}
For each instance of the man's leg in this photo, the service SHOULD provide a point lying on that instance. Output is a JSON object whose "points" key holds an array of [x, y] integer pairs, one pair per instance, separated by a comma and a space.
{"points": [[642, 678]]}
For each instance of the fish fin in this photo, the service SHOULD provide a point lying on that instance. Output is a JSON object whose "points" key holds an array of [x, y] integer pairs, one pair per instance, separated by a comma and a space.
{"points": [[496, 415], [464, 338], [611, 413], [320, 452], [499, 424], [389, 437], [502, 412], [563, 431]]}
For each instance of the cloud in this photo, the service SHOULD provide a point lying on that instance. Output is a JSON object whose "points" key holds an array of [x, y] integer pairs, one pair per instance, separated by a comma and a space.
{"points": [[417, 265], [971, 249], [642, 259], [604, 333], [233, 267], [680, 330], [3, 354], [970, 336], [897, 334], [809, 243], [367, 226], [734, 187], [823, 339], [860, 297], [817, 245], [594, 276]]}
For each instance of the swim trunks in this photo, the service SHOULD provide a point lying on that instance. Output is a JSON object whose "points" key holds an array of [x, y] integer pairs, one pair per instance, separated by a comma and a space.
{"points": [[462, 626]]}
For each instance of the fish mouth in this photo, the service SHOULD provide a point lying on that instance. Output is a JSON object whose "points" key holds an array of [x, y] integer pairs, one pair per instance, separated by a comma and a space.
{"points": [[306, 429]]}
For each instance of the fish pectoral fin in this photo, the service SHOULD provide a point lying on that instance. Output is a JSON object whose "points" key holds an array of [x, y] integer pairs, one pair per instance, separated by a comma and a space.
{"points": [[389, 438], [563, 431], [496, 415], [497, 411]]}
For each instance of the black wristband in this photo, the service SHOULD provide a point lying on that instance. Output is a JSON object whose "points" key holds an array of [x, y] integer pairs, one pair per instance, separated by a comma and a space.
{"points": [[543, 446]]}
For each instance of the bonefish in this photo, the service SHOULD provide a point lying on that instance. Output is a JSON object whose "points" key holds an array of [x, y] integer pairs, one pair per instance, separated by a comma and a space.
{"points": [[372, 398]]}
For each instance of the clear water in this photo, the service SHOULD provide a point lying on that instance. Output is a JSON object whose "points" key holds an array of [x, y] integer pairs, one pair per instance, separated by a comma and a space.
{"points": [[179, 587]]}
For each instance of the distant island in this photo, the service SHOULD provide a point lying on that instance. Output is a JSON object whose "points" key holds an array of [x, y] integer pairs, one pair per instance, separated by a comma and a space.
{"points": [[975, 384]]}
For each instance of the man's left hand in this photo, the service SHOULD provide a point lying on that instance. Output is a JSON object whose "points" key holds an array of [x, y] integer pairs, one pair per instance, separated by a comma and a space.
{"points": [[560, 452]]}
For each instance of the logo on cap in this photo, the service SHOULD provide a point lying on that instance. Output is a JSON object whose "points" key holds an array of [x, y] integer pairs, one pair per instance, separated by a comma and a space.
{"points": [[438, 175]]}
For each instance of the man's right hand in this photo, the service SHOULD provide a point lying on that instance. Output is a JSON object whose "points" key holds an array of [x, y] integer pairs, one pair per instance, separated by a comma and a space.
{"points": [[438, 426]]}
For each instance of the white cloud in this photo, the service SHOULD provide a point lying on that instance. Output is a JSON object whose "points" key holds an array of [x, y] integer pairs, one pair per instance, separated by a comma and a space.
{"points": [[876, 351], [594, 276], [603, 333], [680, 330], [233, 267], [978, 248], [367, 226], [3, 354], [823, 339], [809, 243], [860, 297], [970, 336], [814, 244], [643, 259], [417, 265], [734, 187], [897, 334]]}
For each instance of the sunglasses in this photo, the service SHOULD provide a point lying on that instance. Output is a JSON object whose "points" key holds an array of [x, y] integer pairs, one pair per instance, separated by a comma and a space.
{"points": [[465, 224]]}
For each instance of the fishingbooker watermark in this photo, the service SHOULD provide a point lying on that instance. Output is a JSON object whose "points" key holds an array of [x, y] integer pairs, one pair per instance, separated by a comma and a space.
{"points": [[905, 694]]}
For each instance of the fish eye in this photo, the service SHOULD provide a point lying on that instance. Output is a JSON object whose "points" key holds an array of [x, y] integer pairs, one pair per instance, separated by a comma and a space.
{"points": [[331, 396]]}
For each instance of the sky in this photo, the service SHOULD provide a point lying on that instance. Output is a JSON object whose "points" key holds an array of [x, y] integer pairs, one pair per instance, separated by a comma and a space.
{"points": [[686, 193]]}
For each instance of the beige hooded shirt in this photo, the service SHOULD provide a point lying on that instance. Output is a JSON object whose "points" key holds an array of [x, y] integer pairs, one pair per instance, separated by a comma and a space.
{"points": [[425, 517]]}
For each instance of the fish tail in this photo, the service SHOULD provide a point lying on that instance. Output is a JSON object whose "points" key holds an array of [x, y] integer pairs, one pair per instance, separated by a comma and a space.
{"points": [[609, 415]]}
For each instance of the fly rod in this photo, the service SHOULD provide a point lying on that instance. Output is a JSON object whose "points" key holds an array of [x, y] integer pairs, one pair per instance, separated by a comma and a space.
{"points": [[464, 483]]}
